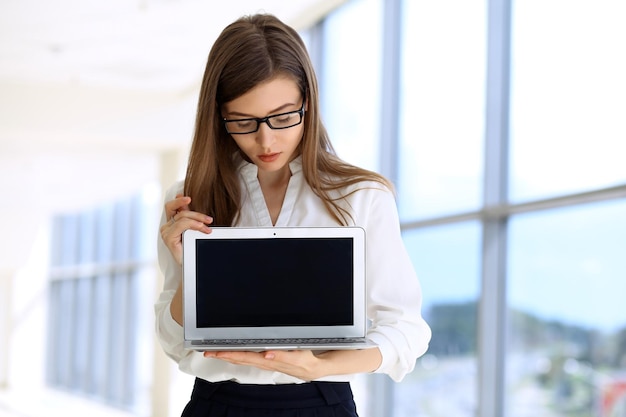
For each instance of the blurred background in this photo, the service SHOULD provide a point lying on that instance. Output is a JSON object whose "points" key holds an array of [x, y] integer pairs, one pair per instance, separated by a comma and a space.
{"points": [[501, 124]]}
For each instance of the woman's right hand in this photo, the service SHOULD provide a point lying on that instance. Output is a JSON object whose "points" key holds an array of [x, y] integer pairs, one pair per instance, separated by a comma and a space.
{"points": [[178, 219]]}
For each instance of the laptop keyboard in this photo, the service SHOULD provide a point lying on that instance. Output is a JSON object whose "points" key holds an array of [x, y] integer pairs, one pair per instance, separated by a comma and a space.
{"points": [[300, 341]]}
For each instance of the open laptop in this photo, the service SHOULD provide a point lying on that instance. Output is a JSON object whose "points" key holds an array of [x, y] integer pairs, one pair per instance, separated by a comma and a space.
{"points": [[274, 288]]}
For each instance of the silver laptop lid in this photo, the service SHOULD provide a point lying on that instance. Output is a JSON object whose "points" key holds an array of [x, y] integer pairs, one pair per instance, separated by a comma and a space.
{"points": [[249, 283]]}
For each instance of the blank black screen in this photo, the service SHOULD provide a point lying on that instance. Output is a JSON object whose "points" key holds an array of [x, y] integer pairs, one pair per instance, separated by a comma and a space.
{"points": [[274, 282]]}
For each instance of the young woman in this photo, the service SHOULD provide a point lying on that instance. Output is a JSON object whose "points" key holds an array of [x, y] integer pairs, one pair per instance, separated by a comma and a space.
{"points": [[261, 157]]}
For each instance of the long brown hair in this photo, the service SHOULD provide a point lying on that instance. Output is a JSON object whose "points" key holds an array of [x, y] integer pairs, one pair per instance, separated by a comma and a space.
{"points": [[248, 52]]}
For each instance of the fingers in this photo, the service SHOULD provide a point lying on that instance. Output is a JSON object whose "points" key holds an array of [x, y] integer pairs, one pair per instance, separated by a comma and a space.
{"points": [[187, 219], [180, 203], [298, 363], [256, 359], [172, 230], [179, 218]]}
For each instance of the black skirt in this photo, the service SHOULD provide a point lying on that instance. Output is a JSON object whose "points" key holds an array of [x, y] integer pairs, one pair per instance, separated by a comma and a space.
{"points": [[231, 399]]}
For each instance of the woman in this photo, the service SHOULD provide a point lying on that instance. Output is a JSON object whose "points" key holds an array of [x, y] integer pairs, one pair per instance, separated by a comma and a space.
{"points": [[261, 157]]}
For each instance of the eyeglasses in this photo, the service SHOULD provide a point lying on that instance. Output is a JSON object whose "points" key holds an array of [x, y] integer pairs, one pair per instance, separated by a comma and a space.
{"points": [[274, 121]]}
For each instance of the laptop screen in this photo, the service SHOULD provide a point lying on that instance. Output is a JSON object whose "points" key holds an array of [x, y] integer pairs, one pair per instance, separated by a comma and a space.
{"points": [[265, 282]]}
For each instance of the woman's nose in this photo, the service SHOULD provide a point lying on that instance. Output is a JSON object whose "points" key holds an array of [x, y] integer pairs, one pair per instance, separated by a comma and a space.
{"points": [[265, 135]]}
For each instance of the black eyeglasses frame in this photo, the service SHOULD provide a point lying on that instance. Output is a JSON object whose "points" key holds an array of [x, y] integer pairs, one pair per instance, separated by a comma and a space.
{"points": [[265, 120]]}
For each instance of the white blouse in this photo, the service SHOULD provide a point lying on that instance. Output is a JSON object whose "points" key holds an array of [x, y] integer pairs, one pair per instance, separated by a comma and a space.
{"points": [[394, 297]]}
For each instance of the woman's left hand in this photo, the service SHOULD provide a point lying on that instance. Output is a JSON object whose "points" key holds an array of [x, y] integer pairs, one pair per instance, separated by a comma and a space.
{"points": [[302, 364]]}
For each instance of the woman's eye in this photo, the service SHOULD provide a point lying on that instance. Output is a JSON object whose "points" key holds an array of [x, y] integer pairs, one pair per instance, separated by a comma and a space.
{"points": [[244, 123], [283, 119]]}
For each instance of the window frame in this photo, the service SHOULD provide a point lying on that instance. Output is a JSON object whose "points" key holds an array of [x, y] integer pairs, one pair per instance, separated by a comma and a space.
{"points": [[495, 211]]}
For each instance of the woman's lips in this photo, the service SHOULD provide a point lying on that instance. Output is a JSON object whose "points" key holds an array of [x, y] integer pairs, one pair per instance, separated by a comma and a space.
{"points": [[270, 157]]}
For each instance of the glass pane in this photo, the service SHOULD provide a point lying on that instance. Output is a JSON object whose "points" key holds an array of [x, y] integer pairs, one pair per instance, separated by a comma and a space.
{"points": [[81, 332], [122, 231], [568, 97], [447, 261], [102, 312], [86, 230], [350, 80], [105, 242], [567, 321], [442, 107], [103, 306]]}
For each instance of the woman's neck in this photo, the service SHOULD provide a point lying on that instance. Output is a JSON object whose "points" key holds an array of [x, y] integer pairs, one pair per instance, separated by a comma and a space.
{"points": [[274, 187], [274, 179]]}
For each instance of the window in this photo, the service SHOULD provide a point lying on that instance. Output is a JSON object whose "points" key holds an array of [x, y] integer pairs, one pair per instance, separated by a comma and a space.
{"points": [[350, 69], [441, 107], [440, 161], [568, 97], [101, 268], [447, 261], [506, 153], [567, 324], [565, 330]]}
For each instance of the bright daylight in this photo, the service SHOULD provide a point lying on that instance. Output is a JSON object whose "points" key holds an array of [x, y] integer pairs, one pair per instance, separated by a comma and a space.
{"points": [[491, 277]]}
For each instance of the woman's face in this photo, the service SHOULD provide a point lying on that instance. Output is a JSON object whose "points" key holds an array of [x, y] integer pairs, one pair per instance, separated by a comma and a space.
{"points": [[270, 149]]}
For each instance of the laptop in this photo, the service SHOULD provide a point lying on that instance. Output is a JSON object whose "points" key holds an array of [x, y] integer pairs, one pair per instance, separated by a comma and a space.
{"points": [[274, 288]]}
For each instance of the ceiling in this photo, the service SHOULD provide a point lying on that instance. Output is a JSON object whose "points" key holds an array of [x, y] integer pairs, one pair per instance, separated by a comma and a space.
{"points": [[141, 44], [76, 70]]}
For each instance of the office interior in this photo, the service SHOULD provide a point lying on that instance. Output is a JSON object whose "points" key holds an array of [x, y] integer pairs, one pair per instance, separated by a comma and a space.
{"points": [[500, 123]]}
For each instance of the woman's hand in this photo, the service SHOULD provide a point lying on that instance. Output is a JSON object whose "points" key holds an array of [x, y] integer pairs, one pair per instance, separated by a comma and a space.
{"points": [[302, 364], [180, 218]]}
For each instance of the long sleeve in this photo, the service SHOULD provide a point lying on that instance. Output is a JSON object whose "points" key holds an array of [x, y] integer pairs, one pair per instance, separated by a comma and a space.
{"points": [[394, 293], [169, 333]]}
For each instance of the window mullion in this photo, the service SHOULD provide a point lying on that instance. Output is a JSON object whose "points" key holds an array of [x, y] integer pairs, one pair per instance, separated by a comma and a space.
{"points": [[390, 89], [381, 387], [492, 313]]}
